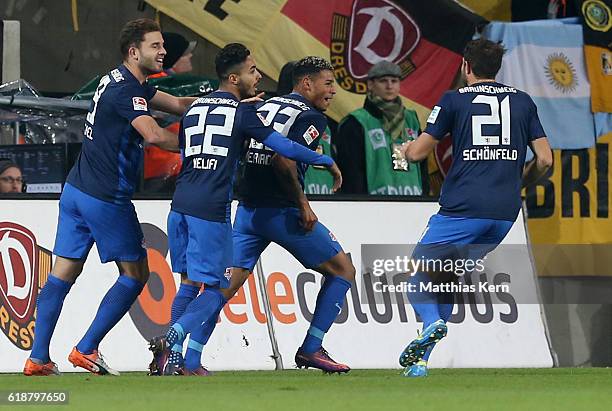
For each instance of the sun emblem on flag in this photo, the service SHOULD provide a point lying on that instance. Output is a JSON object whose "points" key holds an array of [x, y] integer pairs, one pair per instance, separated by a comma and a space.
{"points": [[561, 72]]}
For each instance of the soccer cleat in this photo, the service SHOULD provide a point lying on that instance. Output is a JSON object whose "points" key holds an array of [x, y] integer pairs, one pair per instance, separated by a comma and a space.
{"points": [[93, 362], [32, 368], [200, 371], [416, 370], [319, 359], [161, 353], [415, 351]]}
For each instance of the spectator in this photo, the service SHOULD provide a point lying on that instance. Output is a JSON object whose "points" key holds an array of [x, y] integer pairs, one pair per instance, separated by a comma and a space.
{"points": [[369, 139], [317, 179], [11, 180], [162, 167]]}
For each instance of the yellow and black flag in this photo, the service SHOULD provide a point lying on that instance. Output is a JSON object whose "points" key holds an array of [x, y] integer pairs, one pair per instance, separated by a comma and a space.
{"points": [[596, 16]]}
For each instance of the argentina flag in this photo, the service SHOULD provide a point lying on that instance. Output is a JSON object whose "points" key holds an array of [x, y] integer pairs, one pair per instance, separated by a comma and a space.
{"points": [[545, 59]]}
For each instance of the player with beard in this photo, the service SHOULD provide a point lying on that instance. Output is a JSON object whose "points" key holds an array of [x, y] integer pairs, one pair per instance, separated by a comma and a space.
{"points": [[212, 137], [95, 205]]}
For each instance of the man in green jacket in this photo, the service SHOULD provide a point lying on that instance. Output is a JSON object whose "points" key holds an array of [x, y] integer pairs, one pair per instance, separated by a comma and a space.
{"points": [[369, 139]]}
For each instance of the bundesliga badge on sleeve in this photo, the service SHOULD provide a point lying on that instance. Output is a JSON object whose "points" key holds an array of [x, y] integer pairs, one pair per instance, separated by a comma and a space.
{"points": [[399, 161]]}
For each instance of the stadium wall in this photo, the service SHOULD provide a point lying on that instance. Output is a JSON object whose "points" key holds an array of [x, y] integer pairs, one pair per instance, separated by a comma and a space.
{"points": [[368, 335]]}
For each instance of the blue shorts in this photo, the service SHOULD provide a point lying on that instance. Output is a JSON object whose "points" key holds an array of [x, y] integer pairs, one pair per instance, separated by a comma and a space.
{"points": [[461, 237], [84, 219], [255, 228], [200, 248]]}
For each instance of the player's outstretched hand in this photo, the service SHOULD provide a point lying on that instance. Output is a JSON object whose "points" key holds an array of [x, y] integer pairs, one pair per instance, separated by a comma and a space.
{"points": [[255, 99], [404, 149], [307, 217], [335, 172]]}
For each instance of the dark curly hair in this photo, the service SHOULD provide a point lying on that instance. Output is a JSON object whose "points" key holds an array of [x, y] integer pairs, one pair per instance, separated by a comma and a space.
{"points": [[309, 66], [229, 58]]}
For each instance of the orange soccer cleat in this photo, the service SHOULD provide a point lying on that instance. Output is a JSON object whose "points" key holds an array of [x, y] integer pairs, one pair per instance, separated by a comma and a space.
{"points": [[32, 368], [93, 362]]}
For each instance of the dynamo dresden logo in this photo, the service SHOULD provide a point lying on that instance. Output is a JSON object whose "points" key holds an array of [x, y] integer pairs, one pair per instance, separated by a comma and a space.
{"points": [[376, 30], [24, 267]]}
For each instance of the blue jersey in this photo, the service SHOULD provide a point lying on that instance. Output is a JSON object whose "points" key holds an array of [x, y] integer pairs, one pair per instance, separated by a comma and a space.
{"points": [[111, 156], [491, 126], [294, 117], [211, 137]]}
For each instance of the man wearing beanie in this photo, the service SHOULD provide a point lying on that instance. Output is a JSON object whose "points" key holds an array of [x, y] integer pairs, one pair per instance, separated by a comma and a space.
{"points": [[369, 140]]}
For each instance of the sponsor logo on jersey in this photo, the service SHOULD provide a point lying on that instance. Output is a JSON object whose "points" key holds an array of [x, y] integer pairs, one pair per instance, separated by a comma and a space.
{"points": [[139, 103], [311, 134], [433, 116], [376, 30], [24, 267], [333, 237]]}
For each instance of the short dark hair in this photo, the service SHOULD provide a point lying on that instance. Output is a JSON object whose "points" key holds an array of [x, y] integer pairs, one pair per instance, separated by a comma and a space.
{"points": [[230, 56], [132, 34], [484, 56], [285, 79], [308, 66]]}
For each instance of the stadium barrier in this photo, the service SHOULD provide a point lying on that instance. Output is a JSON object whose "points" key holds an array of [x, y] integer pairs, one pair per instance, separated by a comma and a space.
{"points": [[503, 330]]}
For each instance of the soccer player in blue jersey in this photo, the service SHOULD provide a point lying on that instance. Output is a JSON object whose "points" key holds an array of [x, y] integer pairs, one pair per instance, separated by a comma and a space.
{"points": [[95, 205], [212, 137], [273, 207], [491, 125]]}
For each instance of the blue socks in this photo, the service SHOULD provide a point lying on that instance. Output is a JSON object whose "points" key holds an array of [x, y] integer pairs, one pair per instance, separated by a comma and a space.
{"points": [[445, 308], [329, 304], [113, 307], [424, 303], [49, 306], [183, 297], [197, 341], [200, 311]]}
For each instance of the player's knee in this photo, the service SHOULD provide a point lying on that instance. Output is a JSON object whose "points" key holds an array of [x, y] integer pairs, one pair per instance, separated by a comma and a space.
{"points": [[340, 266], [349, 271], [237, 279], [138, 270], [67, 269]]}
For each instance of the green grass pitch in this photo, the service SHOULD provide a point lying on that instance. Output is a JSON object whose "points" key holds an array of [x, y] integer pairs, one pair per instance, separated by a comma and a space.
{"points": [[444, 389]]}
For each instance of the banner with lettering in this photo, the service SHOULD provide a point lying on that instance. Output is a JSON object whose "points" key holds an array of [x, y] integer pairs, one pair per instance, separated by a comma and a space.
{"points": [[425, 38], [241, 339], [569, 213]]}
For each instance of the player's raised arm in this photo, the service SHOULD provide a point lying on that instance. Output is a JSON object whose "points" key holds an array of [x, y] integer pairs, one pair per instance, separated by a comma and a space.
{"points": [[152, 133], [171, 104], [255, 127], [542, 161], [439, 123], [420, 148]]}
